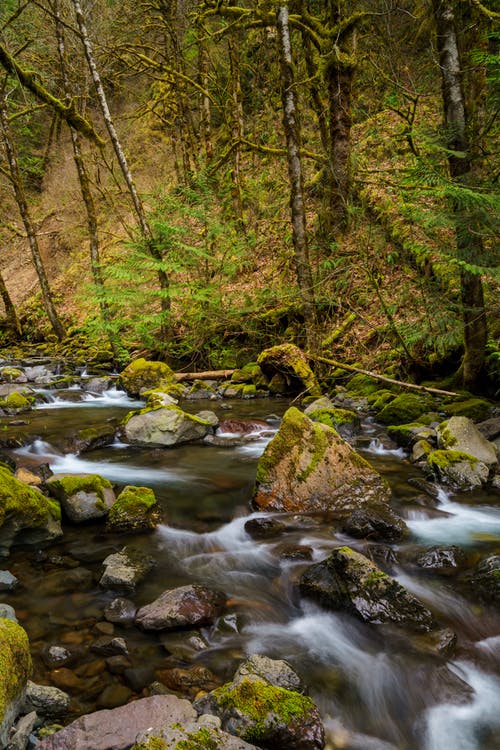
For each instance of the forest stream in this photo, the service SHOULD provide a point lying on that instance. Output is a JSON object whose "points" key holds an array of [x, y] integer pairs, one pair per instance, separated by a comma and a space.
{"points": [[375, 688]]}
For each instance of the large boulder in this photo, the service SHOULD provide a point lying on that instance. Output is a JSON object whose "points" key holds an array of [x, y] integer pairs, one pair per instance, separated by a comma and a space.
{"points": [[307, 467], [26, 516], [289, 363], [203, 734], [348, 581], [15, 669], [184, 606], [136, 509], [461, 434], [84, 497], [117, 729], [459, 469], [166, 427], [141, 375], [270, 716]]}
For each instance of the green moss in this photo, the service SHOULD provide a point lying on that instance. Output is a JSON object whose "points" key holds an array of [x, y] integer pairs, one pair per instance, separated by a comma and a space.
{"points": [[260, 701], [249, 390], [289, 359], [449, 440], [152, 743], [319, 448], [203, 739], [141, 374], [16, 400], [15, 662], [443, 459], [379, 399], [362, 385], [404, 434], [66, 486], [476, 409], [289, 434], [17, 497], [404, 408], [11, 373], [334, 418], [133, 502]]}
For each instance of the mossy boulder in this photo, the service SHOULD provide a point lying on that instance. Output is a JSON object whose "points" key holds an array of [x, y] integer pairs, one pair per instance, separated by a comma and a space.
{"points": [[345, 421], [84, 497], [269, 716], [461, 434], [361, 385], [15, 670], [458, 469], [142, 375], [200, 389], [307, 467], [136, 509], [404, 408], [289, 362], [16, 403], [26, 516], [166, 427], [250, 373], [408, 434], [476, 409], [348, 581], [485, 579], [13, 375], [193, 736]]}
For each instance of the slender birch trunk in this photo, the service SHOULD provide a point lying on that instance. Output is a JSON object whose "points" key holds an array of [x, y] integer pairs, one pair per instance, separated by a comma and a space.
{"points": [[18, 187], [292, 133]]}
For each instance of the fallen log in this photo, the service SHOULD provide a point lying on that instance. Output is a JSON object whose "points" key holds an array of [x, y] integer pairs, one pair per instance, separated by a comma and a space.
{"points": [[384, 378], [207, 375]]}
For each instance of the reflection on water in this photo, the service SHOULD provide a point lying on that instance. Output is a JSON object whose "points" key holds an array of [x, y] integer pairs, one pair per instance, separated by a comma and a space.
{"points": [[373, 686]]}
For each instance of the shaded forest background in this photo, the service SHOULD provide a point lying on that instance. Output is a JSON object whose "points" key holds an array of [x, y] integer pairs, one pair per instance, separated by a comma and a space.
{"points": [[199, 180]]}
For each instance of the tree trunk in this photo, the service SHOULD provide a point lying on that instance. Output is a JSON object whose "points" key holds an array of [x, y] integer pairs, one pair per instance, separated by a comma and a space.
{"points": [[22, 203], [11, 319], [127, 174], [469, 242], [85, 189], [292, 133], [237, 131]]}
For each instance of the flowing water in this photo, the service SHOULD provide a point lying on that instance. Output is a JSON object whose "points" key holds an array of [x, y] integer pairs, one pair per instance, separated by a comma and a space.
{"points": [[376, 690]]}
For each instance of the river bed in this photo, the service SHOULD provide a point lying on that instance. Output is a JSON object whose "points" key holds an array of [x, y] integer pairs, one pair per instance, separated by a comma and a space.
{"points": [[375, 690]]}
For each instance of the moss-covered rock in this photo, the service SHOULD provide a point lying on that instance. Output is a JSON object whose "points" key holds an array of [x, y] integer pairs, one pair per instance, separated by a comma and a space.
{"points": [[308, 467], [461, 434], [459, 469], [266, 715], [142, 375], [345, 421], [200, 389], [136, 509], [15, 403], [15, 670], [361, 385], [166, 426], [84, 497], [13, 375], [476, 409], [404, 408], [292, 365], [26, 516], [408, 434]]}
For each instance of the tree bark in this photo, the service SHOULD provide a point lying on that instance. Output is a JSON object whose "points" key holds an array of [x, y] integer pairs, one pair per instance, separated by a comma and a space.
{"points": [[127, 174], [292, 133], [237, 131], [11, 318], [469, 242], [18, 187]]}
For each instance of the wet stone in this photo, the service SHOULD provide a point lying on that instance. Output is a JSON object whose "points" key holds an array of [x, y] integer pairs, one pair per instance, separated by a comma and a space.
{"points": [[113, 696], [67, 680], [185, 645], [104, 628], [56, 656], [110, 646], [8, 581], [296, 552], [186, 605], [442, 560], [118, 664], [137, 678], [263, 528], [120, 611], [45, 700]]}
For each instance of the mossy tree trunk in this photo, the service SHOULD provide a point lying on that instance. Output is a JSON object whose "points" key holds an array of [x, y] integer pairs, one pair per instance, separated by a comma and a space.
{"points": [[460, 144], [22, 203], [11, 318], [297, 209]]}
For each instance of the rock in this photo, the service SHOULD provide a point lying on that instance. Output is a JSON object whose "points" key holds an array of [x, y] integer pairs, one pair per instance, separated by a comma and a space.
{"points": [[26, 516], [24, 727], [201, 390], [59, 582], [348, 581], [292, 366], [7, 612], [459, 469], [97, 385], [84, 497], [485, 579], [307, 467], [15, 669], [344, 421], [56, 656], [409, 434], [186, 605], [106, 646], [442, 560], [472, 408], [296, 552], [135, 509], [8, 582], [141, 375], [401, 409], [375, 524], [264, 528], [117, 729], [114, 695], [13, 375], [46, 700], [124, 569], [277, 672], [184, 645], [198, 735], [271, 716], [188, 681], [324, 402], [28, 477], [92, 438], [166, 426], [436, 643], [490, 428], [16, 403], [121, 611], [461, 434]]}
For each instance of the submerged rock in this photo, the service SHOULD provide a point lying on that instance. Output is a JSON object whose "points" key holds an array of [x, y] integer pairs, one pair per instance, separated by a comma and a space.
{"points": [[26, 516], [307, 467], [348, 581], [123, 570], [177, 608]]}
